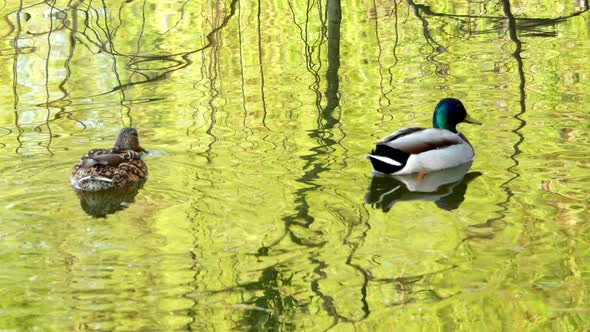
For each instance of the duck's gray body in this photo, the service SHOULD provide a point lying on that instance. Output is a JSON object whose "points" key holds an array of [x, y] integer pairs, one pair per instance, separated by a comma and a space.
{"points": [[412, 150]]}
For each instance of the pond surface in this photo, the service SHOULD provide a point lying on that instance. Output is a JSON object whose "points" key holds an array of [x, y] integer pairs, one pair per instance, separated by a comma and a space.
{"points": [[260, 212]]}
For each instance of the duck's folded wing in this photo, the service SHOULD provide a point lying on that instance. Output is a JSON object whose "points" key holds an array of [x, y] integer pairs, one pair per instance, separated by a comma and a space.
{"points": [[400, 133], [419, 141], [107, 157]]}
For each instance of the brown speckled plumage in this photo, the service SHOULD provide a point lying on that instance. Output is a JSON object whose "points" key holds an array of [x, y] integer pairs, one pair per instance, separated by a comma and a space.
{"points": [[101, 169]]}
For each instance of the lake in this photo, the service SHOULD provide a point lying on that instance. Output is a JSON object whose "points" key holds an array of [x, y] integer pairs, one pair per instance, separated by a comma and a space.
{"points": [[260, 212]]}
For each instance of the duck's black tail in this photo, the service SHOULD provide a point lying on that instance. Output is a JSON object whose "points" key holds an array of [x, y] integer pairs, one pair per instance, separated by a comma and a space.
{"points": [[386, 159]]}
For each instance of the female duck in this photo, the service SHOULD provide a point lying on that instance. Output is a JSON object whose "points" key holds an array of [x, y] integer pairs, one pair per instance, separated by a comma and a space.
{"points": [[420, 150], [101, 169]]}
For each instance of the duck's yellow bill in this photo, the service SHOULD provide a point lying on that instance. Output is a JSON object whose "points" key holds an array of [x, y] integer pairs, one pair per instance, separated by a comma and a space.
{"points": [[469, 119]]}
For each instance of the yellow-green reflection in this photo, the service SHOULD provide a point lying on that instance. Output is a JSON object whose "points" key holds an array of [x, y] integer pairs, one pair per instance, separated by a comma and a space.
{"points": [[257, 116]]}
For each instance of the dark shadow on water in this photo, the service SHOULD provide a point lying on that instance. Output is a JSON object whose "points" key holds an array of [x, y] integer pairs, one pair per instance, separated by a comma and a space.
{"points": [[99, 204], [446, 188]]}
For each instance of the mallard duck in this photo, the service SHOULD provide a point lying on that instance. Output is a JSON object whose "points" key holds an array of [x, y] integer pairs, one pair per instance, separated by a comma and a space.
{"points": [[101, 169], [420, 150]]}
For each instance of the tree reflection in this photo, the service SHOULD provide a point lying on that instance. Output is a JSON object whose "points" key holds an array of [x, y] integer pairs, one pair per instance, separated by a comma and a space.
{"points": [[318, 161], [334, 18], [272, 310], [98, 28]]}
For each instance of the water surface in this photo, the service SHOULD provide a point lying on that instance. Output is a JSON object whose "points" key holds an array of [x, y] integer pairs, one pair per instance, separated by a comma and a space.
{"points": [[260, 212]]}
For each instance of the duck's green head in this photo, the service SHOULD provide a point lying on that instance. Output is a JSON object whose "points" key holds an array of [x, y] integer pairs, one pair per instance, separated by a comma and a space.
{"points": [[128, 140], [448, 113]]}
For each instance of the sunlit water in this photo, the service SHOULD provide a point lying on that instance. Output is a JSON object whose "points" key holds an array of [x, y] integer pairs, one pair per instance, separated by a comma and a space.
{"points": [[260, 212]]}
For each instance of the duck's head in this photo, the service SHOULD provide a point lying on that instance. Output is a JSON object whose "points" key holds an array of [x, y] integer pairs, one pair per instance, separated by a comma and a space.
{"points": [[128, 140], [448, 113]]}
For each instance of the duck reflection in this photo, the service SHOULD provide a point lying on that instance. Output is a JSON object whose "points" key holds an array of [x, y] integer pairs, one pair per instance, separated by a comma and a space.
{"points": [[446, 188], [101, 203]]}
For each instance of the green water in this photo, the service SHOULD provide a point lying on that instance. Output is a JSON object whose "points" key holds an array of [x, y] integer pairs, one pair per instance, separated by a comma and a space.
{"points": [[260, 213]]}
